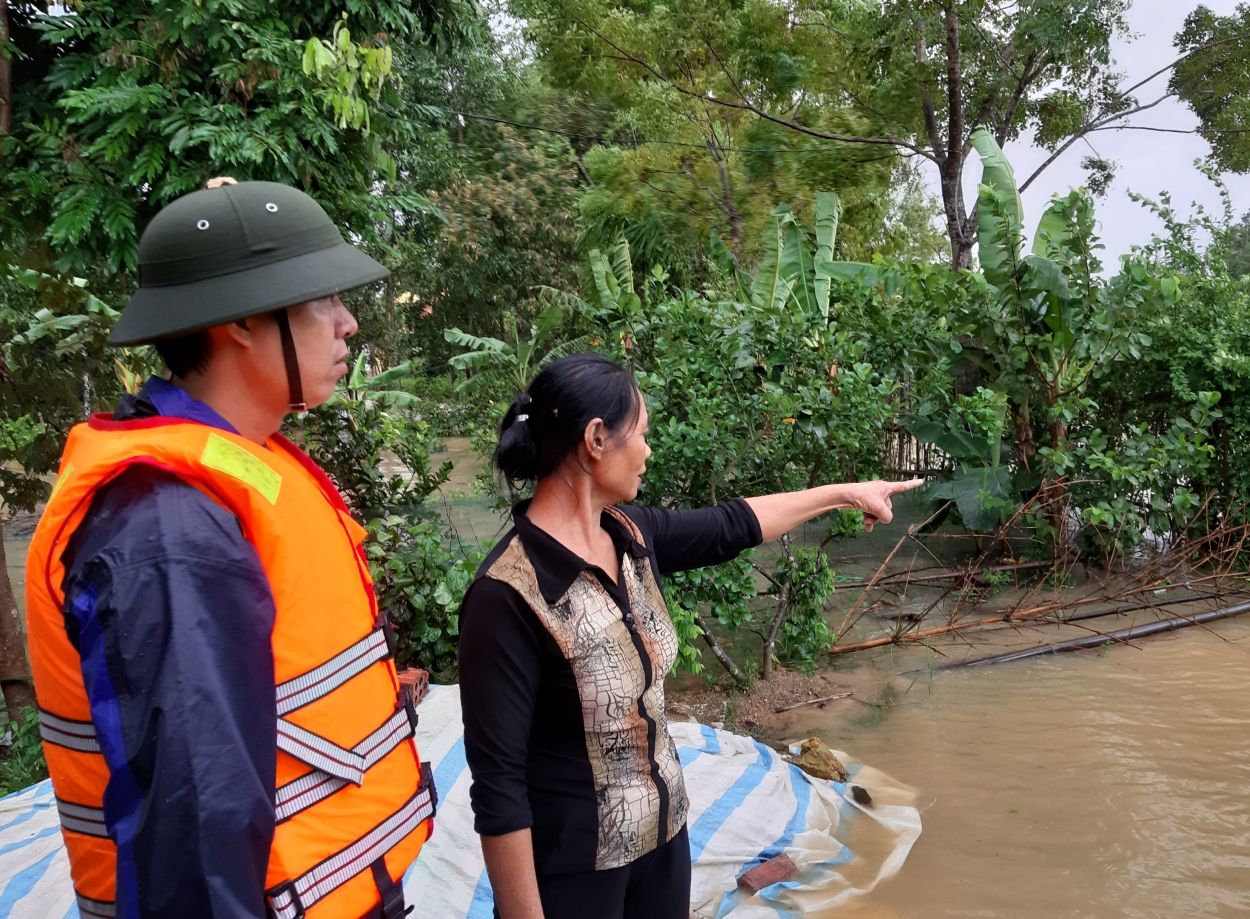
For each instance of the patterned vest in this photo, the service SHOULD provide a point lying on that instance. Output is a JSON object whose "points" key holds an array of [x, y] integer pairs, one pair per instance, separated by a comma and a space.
{"points": [[620, 674]]}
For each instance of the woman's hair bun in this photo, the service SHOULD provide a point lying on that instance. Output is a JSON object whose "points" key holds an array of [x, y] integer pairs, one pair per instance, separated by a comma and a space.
{"points": [[517, 453], [546, 422]]}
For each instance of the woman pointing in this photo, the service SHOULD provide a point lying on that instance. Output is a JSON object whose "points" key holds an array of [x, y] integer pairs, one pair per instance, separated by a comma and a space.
{"points": [[565, 641]]}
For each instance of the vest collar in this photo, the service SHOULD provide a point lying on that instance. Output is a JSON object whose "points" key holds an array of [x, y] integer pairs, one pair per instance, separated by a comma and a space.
{"points": [[159, 397], [557, 567]]}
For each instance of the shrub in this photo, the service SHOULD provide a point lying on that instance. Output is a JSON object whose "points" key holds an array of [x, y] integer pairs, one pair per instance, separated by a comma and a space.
{"points": [[24, 765]]}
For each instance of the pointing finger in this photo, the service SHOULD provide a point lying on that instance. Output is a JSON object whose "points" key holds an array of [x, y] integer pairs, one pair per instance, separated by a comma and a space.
{"points": [[896, 487]]}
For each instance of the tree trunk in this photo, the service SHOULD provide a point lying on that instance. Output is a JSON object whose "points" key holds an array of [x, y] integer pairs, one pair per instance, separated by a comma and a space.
{"points": [[1026, 449], [783, 610], [15, 681], [1057, 496], [6, 75], [719, 653], [770, 643]]}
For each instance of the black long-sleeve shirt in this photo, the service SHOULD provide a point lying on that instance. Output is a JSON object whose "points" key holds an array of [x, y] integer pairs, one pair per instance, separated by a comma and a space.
{"points": [[171, 613], [524, 734]]}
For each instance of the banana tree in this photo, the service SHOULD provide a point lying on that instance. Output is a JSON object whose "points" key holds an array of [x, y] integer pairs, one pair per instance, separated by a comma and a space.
{"points": [[984, 489], [491, 362], [1041, 324], [1048, 321], [790, 274], [361, 387]]}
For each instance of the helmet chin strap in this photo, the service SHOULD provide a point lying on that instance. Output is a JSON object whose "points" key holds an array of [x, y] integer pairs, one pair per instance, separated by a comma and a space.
{"points": [[294, 383]]}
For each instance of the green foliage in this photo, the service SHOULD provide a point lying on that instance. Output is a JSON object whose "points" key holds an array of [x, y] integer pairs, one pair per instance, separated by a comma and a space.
{"points": [[1146, 480], [349, 437], [1214, 79], [502, 367], [809, 582], [1234, 241], [129, 108], [1177, 420], [420, 578], [720, 107], [510, 231], [349, 74], [1000, 213], [680, 168], [53, 373], [747, 396], [1052, 340], [721, 594], [24, 764]]}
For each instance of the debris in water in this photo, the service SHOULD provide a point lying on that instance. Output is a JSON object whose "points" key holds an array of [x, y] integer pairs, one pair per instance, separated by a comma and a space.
{"points": [[816, 759], [820, 703], [861, 796]]}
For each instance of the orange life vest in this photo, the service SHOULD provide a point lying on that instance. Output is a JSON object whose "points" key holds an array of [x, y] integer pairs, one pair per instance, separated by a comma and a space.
{"points": [[353, 803]]}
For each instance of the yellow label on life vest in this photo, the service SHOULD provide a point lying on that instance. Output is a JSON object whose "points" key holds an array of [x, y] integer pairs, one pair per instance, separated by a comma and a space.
{"points": [[233, 460], [60, 480]]}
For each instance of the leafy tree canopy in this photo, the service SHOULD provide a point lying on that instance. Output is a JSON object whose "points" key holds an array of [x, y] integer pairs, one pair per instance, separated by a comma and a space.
{"points": [[683, 164], [1214, 79], [851, 84], [119, 108]]}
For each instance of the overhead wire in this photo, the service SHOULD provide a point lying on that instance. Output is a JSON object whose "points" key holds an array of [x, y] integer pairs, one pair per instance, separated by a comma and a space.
{"points": [[637, 143]]}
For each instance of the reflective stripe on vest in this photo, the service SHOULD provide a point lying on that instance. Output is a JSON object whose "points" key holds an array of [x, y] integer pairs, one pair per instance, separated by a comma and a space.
{"points": [[79, 818], [95, 909], [292, 899], [321, 681], [76, 735], [304, 792], [334, 677]]}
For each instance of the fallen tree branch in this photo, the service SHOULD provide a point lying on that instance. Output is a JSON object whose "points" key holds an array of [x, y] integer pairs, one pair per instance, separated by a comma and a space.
{"points": [[787, 708], [1096, 641], [1026, 616]]}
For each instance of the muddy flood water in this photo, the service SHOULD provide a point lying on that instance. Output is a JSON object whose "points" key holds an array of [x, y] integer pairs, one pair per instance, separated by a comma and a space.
{"points": [[1083, 785]]}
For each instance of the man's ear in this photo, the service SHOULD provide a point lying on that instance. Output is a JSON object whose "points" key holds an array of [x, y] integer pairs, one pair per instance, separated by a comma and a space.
{"points": [[240, 334]]}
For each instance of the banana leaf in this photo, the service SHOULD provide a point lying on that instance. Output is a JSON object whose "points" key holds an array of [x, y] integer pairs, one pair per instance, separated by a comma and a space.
{"points": [[1052, 230], [796, 267], [958, 445], [769, 288], [1000, 215], [605, 280], [982, 496], [622, 265], [828, 213], [394, 375], [865, 274]]}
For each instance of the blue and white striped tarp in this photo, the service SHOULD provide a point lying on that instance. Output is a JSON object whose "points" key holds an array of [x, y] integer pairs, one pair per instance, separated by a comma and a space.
{"points": [[746, 805]]}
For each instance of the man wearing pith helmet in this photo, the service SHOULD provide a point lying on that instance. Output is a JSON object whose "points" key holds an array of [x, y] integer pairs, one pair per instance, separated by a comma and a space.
{"points": [[218, 702]]}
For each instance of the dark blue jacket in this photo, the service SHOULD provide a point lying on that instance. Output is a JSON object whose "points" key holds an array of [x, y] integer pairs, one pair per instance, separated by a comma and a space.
{"points": [[171, 613]]}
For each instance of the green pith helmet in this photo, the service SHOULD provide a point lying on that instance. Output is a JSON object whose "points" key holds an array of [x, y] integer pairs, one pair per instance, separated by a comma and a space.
{"points": [[238, 250]]}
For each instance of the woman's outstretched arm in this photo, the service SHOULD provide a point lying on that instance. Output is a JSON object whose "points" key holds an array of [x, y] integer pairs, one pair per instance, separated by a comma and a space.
{"points": [[782, 512]]}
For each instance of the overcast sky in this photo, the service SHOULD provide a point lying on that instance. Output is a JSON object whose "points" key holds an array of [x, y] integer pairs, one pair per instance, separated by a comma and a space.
{"points": [[1148, 162]]}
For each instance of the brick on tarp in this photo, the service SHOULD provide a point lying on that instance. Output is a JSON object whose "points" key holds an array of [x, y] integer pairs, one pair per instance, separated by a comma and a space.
{"points": [[418, 683], [773, 871]]}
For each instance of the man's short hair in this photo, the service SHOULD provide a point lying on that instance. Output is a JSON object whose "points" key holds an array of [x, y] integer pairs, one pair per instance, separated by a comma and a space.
{"points": [[186, 354]]}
